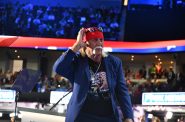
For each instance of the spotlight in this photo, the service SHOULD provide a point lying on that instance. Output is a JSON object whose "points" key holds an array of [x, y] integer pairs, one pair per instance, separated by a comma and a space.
{"points": [[169, 115], [150, 116]]}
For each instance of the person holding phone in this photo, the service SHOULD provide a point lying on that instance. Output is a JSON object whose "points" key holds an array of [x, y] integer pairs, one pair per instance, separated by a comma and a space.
{"points": [[97, 78]]}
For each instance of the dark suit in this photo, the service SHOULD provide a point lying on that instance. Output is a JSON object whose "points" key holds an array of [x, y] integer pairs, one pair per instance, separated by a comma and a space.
{"points": [[75, 67]]}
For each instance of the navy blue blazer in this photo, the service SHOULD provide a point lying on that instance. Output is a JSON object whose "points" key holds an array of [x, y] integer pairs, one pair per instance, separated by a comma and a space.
{"points": [[75, 67]]}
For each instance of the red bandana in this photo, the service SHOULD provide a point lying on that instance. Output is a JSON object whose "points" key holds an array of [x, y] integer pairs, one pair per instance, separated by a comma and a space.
{"points": [[93, 35]]}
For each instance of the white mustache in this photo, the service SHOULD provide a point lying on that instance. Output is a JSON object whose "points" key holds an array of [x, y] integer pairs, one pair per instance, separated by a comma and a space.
{"points": [[97, 47]]}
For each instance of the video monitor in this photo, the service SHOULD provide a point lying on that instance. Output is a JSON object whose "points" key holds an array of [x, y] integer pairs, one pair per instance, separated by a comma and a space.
{"points": [[163, 98], [7, 95], [56, 95]]}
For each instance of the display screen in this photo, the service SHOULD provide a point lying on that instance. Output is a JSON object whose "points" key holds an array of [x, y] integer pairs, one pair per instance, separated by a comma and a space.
{"points": [[163, 98], [56, 95], [7, 95]]}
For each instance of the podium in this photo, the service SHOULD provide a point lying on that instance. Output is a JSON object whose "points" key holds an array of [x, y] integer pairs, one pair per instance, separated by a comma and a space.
{"points": [[35, 115]]}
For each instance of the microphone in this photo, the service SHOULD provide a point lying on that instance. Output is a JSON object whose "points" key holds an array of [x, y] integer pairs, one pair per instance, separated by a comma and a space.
{"points": [[69, 91]]}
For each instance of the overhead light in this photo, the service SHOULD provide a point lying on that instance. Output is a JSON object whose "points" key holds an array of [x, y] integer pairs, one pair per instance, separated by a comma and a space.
{"points": [[52, 48], [150, 116], [169, 115], [107, 49], [12, 114], [125, 2], [19, 115], [170, 47]]}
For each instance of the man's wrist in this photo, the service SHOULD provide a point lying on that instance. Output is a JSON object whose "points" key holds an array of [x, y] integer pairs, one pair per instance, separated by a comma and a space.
{"points": [[75, 47]]}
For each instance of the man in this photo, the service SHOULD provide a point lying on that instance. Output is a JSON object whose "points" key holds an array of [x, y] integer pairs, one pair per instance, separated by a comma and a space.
{"points": [[97, 79]]}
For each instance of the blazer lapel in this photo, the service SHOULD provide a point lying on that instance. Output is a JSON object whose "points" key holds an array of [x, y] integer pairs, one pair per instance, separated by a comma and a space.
{"points": [[87, 72], [107, 70]]}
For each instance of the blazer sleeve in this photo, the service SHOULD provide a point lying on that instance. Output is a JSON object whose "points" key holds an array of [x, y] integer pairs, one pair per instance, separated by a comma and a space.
{"points": [[64, 65], [123, 94]]}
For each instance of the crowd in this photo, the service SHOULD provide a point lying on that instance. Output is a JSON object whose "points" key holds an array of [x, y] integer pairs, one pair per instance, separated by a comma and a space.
{"points": [[173, 82], [44, 83], [57, 21], [155, 79]]}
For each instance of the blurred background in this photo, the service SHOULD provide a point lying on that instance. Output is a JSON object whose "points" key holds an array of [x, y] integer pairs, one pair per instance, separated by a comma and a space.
{"points": [[147, 35]]}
